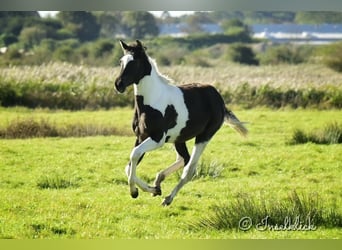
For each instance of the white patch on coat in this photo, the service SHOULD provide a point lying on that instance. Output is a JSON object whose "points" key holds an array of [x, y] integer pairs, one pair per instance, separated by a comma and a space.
{"points": [[158, 94], [125, 60]]}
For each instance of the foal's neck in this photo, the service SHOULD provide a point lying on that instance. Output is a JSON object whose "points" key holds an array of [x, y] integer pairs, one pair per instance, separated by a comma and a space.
{"points": [[152, 86]]}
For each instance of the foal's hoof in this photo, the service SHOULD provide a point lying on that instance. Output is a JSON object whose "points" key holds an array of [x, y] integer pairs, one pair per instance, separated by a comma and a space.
{"points": [[135, 193], [157, 191], [167, 201]]}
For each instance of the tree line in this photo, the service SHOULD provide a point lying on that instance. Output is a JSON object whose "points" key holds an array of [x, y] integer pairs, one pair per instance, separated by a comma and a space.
{"points": [[30, 29], [83, 37]]}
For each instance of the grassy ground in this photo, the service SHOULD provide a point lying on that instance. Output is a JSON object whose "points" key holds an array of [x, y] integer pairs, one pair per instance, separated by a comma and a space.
{"points": [[76, 187]]}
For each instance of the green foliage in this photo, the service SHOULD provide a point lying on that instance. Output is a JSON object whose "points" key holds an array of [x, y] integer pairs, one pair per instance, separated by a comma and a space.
{"points": [[82, 23], [63, 96], [268, 96], [13, 54], [286, 54], [332, 56], [139, 24], [197, 41], [318, 17], [12, 22], [64, 54], [235, 27], [32, 36], [196, 58], [242, 54], [109, 22], [103, 47], [7, 39], [330, 134], [65, 86]]}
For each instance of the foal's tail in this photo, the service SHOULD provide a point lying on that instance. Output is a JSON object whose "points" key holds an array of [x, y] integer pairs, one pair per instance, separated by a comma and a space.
{"points": [[234, 122]]}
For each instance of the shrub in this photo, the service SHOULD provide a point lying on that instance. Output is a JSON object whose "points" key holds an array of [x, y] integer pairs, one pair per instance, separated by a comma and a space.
{"points": [[32, 36], [289, 54], [13, 54], [8, 95], [64, 54], [332, 56], [7, 39], [197, 59], [240, 53], [170, 56], [103, 47]]}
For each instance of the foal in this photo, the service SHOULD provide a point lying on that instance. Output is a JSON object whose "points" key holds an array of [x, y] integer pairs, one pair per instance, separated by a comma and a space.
{"points": [[168, 113]]}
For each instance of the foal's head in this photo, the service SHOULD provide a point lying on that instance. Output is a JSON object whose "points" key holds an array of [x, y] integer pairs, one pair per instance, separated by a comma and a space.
{"points": [[134, 66]]}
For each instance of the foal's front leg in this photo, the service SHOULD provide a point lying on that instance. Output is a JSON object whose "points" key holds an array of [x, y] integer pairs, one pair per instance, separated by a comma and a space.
{"points": [[137, 152]]}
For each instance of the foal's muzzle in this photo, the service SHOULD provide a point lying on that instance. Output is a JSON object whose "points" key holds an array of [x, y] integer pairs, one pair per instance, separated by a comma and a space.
{"points": [[119, 85]]}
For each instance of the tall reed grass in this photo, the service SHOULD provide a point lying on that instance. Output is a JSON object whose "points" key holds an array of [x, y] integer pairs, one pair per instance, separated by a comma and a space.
{"points": [[70, 87]]}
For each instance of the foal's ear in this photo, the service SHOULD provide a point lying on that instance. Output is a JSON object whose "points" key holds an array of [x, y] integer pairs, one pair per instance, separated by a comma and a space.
{"points": [[139, 45], [124, 46]]}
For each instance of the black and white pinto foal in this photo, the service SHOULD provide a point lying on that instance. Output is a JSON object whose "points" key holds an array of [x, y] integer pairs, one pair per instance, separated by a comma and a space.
{"points": [[168, 113]]}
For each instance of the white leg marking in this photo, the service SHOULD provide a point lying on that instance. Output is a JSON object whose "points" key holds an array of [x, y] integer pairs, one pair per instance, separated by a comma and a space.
{"points": [[188, 172], [136, 153]]}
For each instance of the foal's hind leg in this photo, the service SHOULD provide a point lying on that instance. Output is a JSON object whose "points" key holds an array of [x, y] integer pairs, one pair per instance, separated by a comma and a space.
{"points": [[188, 172], [182, 159]]}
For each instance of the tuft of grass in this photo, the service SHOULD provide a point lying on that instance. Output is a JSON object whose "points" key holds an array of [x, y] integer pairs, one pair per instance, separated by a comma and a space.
{"points": [[55, 182], [294, 209], [207, 169], [39, 229], [330, 134], [299, 137], [211, 169]]}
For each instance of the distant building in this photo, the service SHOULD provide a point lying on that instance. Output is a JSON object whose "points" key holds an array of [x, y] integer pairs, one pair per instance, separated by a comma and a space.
{"points": [[298, 33], [277, 33]]}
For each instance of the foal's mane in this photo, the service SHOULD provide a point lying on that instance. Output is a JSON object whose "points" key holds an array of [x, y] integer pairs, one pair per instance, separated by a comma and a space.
{"points": [[165, 79]]}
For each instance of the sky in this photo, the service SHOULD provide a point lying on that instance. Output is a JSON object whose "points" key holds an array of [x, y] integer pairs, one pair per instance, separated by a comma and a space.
{"points": [[156, 13]]}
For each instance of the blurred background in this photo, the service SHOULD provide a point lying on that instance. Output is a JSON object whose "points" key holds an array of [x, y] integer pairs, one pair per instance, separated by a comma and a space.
{"points": [[254, 38]]}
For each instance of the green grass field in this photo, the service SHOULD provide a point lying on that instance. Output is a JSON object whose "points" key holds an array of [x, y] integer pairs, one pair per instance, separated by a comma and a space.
{"points": [[77, 188]]}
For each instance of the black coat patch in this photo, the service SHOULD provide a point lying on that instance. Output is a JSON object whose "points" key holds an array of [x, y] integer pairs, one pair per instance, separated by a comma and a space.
{"points": [[150, 122], [206, 112]]}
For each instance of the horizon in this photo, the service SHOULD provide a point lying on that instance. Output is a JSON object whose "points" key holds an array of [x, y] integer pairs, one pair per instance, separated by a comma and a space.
{"points": [[155, 13]]}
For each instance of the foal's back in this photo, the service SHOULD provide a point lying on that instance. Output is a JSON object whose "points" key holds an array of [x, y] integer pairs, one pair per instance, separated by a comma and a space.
{"points": [[206, 111]]}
